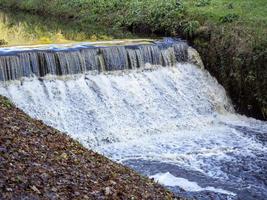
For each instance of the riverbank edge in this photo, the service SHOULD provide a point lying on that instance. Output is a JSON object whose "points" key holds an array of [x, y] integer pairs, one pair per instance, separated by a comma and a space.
{"points": [[39, 162]]}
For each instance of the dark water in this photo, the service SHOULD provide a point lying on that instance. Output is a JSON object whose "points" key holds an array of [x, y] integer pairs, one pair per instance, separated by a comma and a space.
{"points": [[247, 174], [18, 28]]}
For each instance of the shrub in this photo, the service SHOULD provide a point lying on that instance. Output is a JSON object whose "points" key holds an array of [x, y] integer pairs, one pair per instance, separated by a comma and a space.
{"points": [[190, 28], [202, 3], [3, 42], [229, 18], [5, 102], [230, 6]]}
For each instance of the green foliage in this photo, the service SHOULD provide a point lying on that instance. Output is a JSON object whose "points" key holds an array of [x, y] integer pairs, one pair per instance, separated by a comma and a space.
{"points": [[20, 28], [5, 102], [202, 3], [3, 42], [156, 15], [238, 62], [229, 18], [230, 6], [190, 28]]}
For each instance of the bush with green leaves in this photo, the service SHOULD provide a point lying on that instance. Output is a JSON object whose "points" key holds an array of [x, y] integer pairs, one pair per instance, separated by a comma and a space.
{"points": [[229, 18], [190, 28], [3, 42], [202, 3], [157, 14]]}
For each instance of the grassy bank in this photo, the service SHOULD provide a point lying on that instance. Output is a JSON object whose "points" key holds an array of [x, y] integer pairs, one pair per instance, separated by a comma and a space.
{"points": [[39, 162], [232, 39], [230, 35], [22, 28]]}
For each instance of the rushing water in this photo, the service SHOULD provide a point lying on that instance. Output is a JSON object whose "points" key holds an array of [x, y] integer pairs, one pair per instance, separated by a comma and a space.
{"points": [[19, 28], [174, 124], [145, 106]]}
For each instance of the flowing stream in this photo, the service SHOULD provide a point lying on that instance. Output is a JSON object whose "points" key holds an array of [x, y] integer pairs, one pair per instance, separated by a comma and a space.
{"points": [[169, 120]]}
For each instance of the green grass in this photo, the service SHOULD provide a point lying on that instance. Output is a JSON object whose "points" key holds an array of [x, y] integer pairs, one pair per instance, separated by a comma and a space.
{"points": [[250, 15], [249, 11], [156, 15], [20, 28]]}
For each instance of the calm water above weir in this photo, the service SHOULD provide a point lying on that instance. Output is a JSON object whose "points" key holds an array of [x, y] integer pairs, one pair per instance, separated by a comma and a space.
{"points": [[20, 28]]}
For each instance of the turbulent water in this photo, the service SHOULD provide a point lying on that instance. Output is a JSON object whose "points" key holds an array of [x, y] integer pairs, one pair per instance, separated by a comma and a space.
{"points": [[144, 106], [174, 124]]}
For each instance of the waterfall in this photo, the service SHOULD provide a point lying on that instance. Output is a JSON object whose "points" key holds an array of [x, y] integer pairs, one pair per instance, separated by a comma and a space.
{"points": [[76, 60], [171, 119]]}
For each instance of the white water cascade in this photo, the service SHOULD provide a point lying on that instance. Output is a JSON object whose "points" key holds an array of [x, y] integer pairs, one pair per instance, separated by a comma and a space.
{"points": [[176, 120]]}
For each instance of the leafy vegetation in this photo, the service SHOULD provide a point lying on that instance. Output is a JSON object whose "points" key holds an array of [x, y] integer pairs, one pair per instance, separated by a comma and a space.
{"points": [[20, 28], [201, 3], [230, 35], [232, 40], [5, 102], [3, 42], [153, 15], [190, 28], [229, 18]]}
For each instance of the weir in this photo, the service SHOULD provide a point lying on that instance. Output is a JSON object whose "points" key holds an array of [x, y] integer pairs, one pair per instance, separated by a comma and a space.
{"points": [[175, 124], [15, 64]]}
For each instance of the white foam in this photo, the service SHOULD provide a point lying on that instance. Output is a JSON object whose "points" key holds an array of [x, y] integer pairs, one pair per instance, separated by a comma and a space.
{"points": [[178, 115], [168, 179]]}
